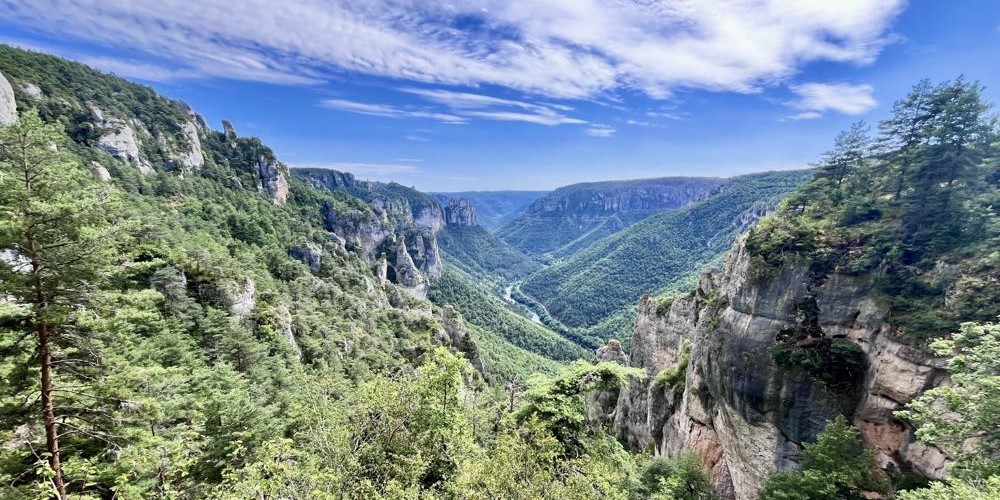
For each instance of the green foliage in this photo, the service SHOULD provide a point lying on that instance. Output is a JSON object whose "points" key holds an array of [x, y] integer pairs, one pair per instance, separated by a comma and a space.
{"points": [[479, 253], [572, 218], [674, 374], [656, 254], [557, 405], [916, 208], [680, 478], [835, 467], [490, 313], [956, 489], [963, 418]]}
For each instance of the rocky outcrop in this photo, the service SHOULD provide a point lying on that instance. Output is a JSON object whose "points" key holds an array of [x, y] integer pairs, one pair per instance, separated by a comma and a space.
{"points": [[228, 130], [310, 253], [455, 335], [741, 411], [241, 298], [602, 405], [407, 276], [285, 324], [8, 107], [193, 158], [273, 179], [101, 172], [460, 212], [398, 221], [120, 139], [31, 90], [364, 230]]}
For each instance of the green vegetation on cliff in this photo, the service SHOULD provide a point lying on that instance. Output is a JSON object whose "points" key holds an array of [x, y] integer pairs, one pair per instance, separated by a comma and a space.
{"points": [[917, 206]]}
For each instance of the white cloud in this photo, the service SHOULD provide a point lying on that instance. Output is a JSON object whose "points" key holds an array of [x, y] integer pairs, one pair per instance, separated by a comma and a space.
{"points": [[369, 171], [814, 99], [600, 131], [576, 49], [639, 123], [390, 111], [513, 116], [495, 108], [410, 160]]}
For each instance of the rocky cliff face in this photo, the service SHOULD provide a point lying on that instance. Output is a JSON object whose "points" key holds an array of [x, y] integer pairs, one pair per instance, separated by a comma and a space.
{"points": [[273, 180], [460, 212], [397, 233], [744, 413], [8, 108], [120, 139]]}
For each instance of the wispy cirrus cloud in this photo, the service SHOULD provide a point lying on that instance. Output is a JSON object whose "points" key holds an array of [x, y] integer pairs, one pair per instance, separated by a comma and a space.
{"points": [[461, 107], [578, 49], [815, 99], [389, 111]]}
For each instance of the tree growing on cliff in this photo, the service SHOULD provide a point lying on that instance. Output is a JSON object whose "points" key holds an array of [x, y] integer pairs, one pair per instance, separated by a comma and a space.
{"points": [[835, 467], [55, 232], [964, 418]]}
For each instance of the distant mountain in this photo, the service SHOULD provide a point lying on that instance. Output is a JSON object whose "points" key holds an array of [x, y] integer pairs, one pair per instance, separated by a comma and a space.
{"points": [[571, 218], [495, 208], [657, 253]]}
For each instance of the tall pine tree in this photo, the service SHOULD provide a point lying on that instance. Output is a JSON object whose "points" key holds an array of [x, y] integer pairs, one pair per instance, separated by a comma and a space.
{"points": [[56, 236]]}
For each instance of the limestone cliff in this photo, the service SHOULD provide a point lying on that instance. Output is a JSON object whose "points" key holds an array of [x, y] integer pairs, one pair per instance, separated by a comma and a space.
{"points": [[741, 411], [398, 222], [8, 107], [460, 212]]}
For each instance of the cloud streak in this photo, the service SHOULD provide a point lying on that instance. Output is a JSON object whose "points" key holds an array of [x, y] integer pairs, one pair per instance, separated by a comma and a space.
{"points": [[814, 99], [462, 107], [389, 111], [579, 49]]}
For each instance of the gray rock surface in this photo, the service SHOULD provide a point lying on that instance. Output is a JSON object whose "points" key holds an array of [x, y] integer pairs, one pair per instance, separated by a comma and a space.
{"points": [[120, 140], [310, 253], [8, 107], [460, 212], [273, 180]]}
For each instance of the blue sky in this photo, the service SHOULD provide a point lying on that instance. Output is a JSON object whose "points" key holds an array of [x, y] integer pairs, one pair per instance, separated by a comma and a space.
{"points": [[528, 94]]}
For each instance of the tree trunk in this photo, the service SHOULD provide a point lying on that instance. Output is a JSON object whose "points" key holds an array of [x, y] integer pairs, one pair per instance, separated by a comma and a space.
{"points": [[45, 362], [48, 413]]}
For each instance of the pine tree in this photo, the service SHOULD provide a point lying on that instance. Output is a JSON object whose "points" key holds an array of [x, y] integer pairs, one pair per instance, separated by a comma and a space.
{"points": [[55, 232]]}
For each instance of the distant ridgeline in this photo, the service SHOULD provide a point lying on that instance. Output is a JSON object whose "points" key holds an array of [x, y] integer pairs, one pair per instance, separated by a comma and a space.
{"points": [[572, 218]]}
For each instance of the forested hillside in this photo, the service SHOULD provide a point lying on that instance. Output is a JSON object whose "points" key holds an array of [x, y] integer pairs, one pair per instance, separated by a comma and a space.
{"points": [[572, 218], [480, 253], [663, 252]]}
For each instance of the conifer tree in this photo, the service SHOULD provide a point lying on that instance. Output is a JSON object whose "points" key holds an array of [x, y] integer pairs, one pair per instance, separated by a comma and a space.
{"points": [[54, 230]]}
